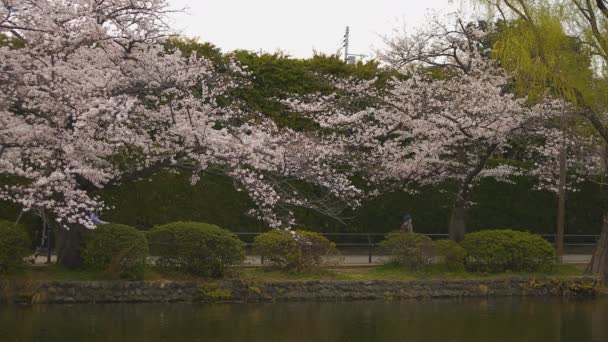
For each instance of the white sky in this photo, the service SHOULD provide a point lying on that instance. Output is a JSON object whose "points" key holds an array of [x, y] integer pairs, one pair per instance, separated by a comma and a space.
{"points": [[296, 26]]}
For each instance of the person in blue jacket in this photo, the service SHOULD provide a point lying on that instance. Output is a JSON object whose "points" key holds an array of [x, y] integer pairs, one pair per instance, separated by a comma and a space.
{"points": [[95, 219]]}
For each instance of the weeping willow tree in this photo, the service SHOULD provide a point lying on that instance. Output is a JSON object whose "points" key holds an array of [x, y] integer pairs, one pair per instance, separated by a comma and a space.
{"points": [[546, 60], [560, 47]]}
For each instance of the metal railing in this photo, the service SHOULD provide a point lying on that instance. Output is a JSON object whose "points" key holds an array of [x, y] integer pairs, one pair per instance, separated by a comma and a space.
{"points": [[369, 241], [574, 239]]}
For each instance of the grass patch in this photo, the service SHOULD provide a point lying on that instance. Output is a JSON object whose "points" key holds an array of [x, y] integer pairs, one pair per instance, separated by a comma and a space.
{"points": [[380, 272], [61, 273], [392, 272], [55, 273], [270, 274]]}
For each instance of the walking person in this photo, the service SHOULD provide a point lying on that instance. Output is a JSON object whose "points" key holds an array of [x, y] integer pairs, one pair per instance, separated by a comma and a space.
{"points": [[407, 225], [95, 219]]}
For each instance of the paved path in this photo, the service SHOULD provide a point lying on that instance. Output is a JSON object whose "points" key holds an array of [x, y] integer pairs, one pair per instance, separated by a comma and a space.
{"points": [[576, 259], [364, 259]]}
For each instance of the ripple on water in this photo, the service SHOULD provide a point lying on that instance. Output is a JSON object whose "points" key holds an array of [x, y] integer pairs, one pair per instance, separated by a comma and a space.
{"points": [[469, 320]]}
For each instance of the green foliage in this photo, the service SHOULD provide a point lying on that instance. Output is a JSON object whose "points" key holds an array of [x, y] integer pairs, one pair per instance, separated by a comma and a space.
{"points": [[169, 197], [10, 41], [450, 255], [294, 251], [497, 204], [543, 57], [278, 248], [197, 248], [214, 292], [31, 222], [273, 75], [188, 46], [14, 246], [116, 249], [412, 251], [417, 252], [317, 250], [536, 43], [496, 251], [334, 65]]}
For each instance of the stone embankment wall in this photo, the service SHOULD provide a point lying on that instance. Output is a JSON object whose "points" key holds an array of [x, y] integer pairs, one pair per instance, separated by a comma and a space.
{"points": [[312, 290]]}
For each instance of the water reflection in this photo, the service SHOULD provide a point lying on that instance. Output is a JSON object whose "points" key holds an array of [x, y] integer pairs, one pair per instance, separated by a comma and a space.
{"points": [[442, 320]]}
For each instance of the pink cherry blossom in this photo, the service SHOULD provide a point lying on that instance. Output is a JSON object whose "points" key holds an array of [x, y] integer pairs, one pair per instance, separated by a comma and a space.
{"points": [[93, 99]]}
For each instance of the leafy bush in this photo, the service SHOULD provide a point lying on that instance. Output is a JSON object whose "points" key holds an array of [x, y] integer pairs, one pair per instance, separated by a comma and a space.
{"points": [[508, 250], [196, 248], [450, 255], [411, 250], [317, 250], [14, 246], [295, 251], [279, 248], [117, 249]]}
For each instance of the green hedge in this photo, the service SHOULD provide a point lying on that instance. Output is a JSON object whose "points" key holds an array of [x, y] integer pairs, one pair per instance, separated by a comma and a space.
{"points": [[413, 251], [295, 251], [170, 197], [451, 256], [14, 246], [496, 251], [417, 252], [193, 247], [116, 249]]}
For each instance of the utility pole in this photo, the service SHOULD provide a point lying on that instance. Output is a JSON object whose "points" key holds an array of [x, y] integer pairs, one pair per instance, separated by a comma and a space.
{"points": [[346, 37], [349, 58]]}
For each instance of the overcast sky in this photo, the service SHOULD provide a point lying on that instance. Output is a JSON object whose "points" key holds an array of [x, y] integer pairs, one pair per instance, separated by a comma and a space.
{"points": [[298, 27]]}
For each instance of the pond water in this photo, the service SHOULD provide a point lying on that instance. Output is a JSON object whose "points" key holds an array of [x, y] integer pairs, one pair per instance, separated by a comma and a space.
{"points": [[424, 320]]}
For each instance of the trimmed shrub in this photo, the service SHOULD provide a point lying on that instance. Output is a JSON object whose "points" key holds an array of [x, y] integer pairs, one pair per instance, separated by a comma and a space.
{"points": [[14, 246], [411, 250], [450, 255], [495, 251], [295, 251], [278, 248], [317, 250], [116, 249], [193, 247]]}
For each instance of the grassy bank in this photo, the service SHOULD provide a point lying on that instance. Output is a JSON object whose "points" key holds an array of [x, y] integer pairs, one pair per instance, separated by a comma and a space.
{"points": [[390, 272], [379, 272]]}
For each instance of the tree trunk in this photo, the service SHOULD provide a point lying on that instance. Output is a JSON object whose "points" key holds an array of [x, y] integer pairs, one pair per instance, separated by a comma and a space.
{"points": [[561, 197], [599, 262], [69, 243], [457, 227]]}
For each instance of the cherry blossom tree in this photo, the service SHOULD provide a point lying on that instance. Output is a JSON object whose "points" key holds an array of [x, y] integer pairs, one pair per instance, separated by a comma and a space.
{"points": [[90, 98], [448, 117], [444, 42]]}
